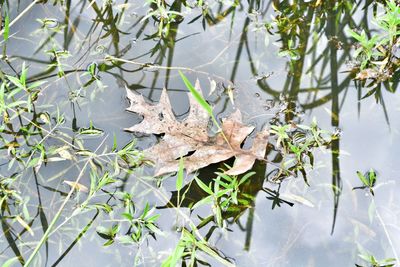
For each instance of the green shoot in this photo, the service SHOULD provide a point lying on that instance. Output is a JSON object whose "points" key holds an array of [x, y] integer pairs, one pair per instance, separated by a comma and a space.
{"points": [[200, 99], [179, 179], [368, 180]]}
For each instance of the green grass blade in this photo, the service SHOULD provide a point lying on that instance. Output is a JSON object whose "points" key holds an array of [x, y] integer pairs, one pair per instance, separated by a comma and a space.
{"points": [[6, 27], [362, 178], [203, 103], [179, 178], [203, 186], [199, 98]]}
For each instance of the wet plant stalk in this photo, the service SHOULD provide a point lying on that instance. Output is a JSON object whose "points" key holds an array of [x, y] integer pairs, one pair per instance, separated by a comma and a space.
{"points": [[60, 210]]}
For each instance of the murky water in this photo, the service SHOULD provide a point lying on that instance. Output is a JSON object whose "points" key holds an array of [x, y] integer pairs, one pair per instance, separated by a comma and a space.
{"points": [[321, 229]]}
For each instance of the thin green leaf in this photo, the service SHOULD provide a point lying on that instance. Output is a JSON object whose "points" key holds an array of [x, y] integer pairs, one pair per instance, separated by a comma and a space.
{"points": [[245, 177], [199, 98], [362, 178], [372, 177], [15, 81], [23, 75], [6, 27], [203, 186], [179, 177], [213, 254]]}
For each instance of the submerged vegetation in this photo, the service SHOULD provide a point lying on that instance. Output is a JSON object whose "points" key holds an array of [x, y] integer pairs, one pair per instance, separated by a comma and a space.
{"points": [[180, 186]]}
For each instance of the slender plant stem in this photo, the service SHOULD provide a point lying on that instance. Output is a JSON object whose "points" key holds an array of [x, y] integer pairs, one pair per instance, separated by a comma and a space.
{"points": [[386, 233], [60, 210]]}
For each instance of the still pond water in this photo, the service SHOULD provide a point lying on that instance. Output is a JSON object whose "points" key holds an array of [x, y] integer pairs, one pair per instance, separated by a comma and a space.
{"points": [[323, 228]]}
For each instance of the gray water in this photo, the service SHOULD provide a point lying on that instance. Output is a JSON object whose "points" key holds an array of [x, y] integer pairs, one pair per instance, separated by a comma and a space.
{"points": [[307, 234]]}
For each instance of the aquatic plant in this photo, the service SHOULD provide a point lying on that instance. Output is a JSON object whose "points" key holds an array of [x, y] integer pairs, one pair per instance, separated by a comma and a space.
{"points": [[64, 180]]}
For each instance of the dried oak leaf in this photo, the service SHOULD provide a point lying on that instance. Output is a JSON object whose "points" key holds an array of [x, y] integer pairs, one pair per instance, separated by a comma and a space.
{"points": [[189, 138]]}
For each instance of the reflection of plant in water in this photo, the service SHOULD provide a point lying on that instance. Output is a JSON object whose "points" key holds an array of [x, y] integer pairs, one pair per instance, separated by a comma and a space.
{"points": [[32, 138], [104, 168], [20, 122], [13, 205], [54, 2], [230, 196], [8, 192], [57, 57], [35, 137], [303, 28]]}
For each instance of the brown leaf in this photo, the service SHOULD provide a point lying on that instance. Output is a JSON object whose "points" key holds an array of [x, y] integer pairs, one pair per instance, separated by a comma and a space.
{"points": [[191, 135], [180, 138], [245, 162]]}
